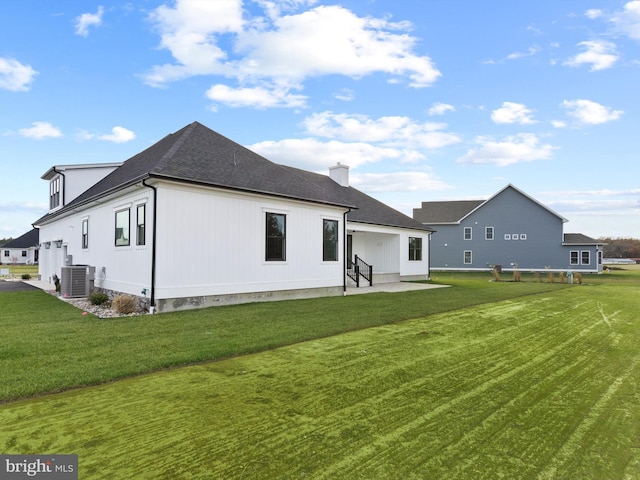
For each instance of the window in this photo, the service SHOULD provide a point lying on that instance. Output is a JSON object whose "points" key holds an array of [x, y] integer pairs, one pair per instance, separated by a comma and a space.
{"points": [[276, 237], [488, 233], [573, 258], [122, 228], [24, 253], [54, 193], [329, 240], [468, 257], [523, 236], [415, 249], [85, 233], [507, 236], [586, 257], [6, 253], [514, 236], [467, 233], [140, 236]]}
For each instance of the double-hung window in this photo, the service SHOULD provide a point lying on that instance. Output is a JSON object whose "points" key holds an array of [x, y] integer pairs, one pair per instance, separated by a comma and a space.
{"points": [[468, 257], [573, 257], [330, 240], [122, 228], [585, 257], [467, 233], [488, 233], [276, 237], [415, 249], [85, 233]]}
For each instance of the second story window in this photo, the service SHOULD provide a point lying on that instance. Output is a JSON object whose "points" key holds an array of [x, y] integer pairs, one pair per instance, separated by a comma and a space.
{"points": [[467, 233], [55, 187], [488, 233]]}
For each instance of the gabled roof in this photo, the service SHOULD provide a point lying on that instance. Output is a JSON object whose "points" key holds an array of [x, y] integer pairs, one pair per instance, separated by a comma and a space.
{"points": [[454, 212], [197, 154], [445, 212], [29, 239], [369, 210], [580, 239]]}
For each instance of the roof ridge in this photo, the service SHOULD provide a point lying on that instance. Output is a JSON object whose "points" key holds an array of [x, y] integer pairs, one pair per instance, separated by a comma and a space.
{"points": [[168, 155]]}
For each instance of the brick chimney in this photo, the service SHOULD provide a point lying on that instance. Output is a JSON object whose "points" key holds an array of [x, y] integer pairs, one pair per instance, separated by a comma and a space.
{"points": [[340, 174]]}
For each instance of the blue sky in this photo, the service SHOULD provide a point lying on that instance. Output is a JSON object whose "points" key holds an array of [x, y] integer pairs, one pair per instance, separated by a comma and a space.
{"points": [[424, 100]]}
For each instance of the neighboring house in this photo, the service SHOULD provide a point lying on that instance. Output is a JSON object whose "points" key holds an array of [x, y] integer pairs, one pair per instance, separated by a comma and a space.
{"points": [[22, 250], [198, 220], [510, 229]]}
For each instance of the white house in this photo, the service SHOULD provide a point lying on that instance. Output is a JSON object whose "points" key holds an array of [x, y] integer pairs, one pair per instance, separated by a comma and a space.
{"points": [[22, 250], [198, 220]]}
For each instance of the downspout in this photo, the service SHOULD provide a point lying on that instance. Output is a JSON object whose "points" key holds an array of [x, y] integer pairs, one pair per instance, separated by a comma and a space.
{"points": [[152, 305], [64, 185], [344, 252]]}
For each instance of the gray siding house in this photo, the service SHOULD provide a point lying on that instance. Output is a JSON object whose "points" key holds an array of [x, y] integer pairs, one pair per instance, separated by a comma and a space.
{"points": [[510, 229]]}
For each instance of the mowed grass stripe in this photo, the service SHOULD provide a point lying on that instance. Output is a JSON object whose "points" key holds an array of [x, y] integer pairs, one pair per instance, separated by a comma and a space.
{"points": [[476, 389], [491, 390]]}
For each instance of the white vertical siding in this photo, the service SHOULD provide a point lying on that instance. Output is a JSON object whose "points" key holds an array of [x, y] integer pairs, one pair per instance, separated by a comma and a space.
{"points": [[213, 243], [126, 269]]}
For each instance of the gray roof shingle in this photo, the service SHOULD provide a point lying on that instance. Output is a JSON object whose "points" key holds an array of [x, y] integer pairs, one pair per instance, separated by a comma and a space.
{"points": [[445, 212], [369, 210], [29, 239], [197, 154]]}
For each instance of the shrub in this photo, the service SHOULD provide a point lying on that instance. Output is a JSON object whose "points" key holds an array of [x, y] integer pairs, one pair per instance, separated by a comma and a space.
{"points": [[26, 276], [98, 298], [124, 304]]}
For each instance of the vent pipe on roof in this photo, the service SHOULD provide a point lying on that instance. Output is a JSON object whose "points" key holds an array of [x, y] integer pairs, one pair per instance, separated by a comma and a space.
{"points": [[340, 174]]}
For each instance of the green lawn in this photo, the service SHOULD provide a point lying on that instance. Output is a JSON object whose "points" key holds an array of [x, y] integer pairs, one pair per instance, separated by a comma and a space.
{"points": [[48, 345], [544, 385]]}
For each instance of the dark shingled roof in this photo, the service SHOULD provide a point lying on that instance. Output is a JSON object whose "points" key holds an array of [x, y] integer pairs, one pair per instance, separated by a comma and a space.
{"points": [[580, 239], [29, 239], [369, 210], [445, 212], [197, 154]]}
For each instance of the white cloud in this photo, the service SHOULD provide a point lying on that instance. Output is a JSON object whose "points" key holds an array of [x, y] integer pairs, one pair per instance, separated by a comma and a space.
{"points": [[439, 108], [529, 53], [40, 130], [395, 131], [591, 113], [559, 124], [258, 97], [397, 182], [512, 113], [627, 20], [600, 54], [524, 147], [594, 13], [118, 135], [313, 154], [86, 20], [283, 49], [15, 76]]}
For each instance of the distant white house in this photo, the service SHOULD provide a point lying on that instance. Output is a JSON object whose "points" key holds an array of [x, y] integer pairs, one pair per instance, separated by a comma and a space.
{"points": [[23, 250], [198, 220]]}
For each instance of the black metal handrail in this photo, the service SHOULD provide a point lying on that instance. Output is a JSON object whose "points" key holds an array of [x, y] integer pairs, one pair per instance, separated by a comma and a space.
{"points": [[359, 268]]}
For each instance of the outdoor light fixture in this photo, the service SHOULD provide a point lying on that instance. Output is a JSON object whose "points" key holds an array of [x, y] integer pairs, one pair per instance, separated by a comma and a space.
{"points": [[58, 243], [47, 245]]}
